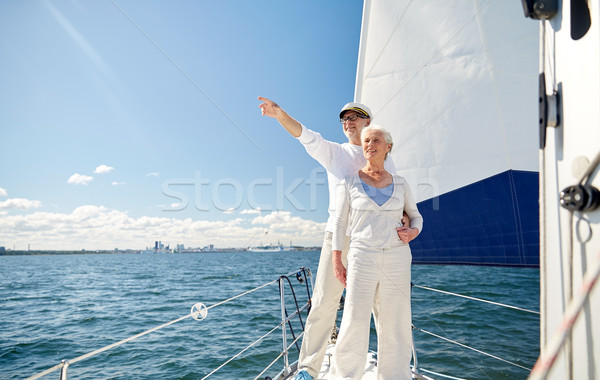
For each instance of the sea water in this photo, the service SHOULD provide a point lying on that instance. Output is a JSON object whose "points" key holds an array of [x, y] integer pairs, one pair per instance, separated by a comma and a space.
{"points": [[56, 307]]}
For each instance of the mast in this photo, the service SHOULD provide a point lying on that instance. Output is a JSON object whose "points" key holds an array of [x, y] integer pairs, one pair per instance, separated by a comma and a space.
{"points": [[569, 214]]}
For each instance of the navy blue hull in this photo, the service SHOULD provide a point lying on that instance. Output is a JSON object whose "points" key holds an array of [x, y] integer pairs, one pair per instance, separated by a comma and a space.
{"points": [[491, 222]]}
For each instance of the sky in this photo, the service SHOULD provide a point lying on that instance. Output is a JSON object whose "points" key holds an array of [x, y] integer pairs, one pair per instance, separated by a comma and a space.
{"points": [[125, 122]]}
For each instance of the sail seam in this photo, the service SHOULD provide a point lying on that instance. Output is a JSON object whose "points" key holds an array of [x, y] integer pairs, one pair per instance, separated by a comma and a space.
{"points": [[435, 54], [517, 215]]}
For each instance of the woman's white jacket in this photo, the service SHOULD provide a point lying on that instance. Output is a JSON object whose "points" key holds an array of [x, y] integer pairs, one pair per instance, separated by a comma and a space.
{"points": [[367, 223]]}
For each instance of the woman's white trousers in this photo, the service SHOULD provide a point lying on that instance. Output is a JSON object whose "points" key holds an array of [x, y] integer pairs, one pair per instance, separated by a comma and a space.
{"points": [[378, 280]]}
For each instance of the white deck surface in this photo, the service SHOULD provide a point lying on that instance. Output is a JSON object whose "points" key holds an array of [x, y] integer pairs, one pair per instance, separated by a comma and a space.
{"points": [[370, 365], [370, 372]]}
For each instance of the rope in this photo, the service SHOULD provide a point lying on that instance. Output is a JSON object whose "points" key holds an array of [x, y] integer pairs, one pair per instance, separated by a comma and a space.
{"points": [[307, 289], [477, 299], [551, 349], [278, 357], [93, 353], [271, 331], [242, 351], [168, 57], [587, 175], [441, 374], [241, 294], [471, 348], [433, 56], [297, 311]]}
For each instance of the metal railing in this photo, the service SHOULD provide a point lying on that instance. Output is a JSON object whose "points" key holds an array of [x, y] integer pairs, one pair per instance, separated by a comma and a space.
{"points": [[199, 312]]}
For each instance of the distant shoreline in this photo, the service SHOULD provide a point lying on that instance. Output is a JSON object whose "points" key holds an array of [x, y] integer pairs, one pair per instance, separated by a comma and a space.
{"points": [[132, 251]]}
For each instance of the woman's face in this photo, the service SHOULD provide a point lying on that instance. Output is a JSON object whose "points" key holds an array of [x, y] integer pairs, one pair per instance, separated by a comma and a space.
{"points": [[374, 145]]}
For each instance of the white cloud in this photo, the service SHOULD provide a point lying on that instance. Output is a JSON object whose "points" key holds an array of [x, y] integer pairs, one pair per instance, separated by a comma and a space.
{"points": [[229, 211], [115, 183], [277, 217], [19, 203], [79, 179], [284, 221], [97, 227], [152, 174], [253, 211], [3, 192], [102, 169]]}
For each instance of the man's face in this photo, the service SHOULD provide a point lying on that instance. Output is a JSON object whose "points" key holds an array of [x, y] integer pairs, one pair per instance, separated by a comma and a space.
{"points": [[353, 123]]}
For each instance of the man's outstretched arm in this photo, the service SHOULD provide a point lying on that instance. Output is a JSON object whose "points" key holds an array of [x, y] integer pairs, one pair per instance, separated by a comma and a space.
{"points": [[271, 109]]}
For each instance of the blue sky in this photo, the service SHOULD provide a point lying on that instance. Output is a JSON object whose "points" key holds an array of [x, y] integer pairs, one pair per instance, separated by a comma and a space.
{"points": [[124, 122]]}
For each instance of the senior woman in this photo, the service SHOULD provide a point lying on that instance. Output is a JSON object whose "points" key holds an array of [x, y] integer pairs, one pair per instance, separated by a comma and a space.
{"points": [[370, 208]]}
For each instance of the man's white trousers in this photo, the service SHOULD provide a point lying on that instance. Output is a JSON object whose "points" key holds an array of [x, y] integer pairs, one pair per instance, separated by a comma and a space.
{"points": [[321, 320]]}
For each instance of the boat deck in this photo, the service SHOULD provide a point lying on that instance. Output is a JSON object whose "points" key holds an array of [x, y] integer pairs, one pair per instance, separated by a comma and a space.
{"points": [[370, 371]]}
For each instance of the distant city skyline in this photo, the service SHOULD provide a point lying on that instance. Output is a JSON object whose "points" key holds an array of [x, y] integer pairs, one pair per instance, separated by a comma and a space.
{"points": [[159, 245]]}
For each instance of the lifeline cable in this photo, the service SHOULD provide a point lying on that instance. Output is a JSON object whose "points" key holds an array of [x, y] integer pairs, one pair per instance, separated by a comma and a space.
{"points": [[477, 299], [113, 345], [470, 348], [277, 358], [242, 351]]}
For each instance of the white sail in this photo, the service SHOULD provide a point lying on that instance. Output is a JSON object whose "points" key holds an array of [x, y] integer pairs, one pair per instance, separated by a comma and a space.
{"points": [[456, 82]]}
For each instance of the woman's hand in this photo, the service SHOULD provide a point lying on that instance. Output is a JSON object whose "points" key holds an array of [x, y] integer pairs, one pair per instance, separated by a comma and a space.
{"points": [[338, 268], [407, 234]]}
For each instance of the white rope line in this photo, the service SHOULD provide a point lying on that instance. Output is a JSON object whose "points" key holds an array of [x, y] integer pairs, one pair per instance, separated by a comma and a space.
{"points": [[278, 357], [551, 350], [113, 345], [477, 299], [242, 351], [241, 294], [44, 373], [590, 169], [473, 349], [440, 374], [433, 56], [168, 57], [259, 339], [100, 350]]}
